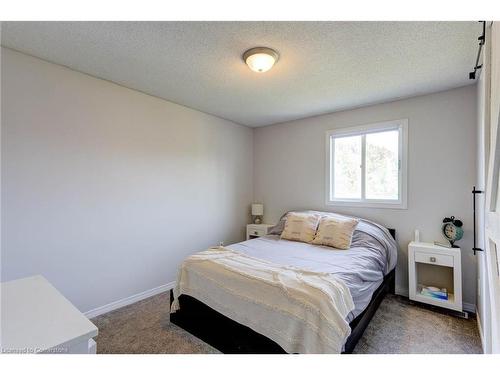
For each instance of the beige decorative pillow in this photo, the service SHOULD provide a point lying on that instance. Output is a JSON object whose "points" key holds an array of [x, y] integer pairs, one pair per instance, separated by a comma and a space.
{"points": [[300, 227], [335, 232]]}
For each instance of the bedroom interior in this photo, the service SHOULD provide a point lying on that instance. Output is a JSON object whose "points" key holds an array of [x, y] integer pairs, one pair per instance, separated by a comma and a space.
{"points": [[250, 187]]}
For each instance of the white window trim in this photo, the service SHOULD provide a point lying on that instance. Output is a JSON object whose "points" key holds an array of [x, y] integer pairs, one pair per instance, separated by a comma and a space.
{"points": [[402, 126]]}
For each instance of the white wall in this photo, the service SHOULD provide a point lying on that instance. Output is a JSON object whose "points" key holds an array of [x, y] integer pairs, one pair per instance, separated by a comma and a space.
{"points": [[104, 189], [289, 169]]}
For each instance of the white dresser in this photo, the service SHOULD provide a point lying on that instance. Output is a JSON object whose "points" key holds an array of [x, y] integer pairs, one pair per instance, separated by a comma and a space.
{"points": [[36, 318]]}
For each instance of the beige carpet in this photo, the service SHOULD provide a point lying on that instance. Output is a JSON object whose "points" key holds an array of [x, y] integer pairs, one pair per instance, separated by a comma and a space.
{"points": [[402, 327], [397, 327]]}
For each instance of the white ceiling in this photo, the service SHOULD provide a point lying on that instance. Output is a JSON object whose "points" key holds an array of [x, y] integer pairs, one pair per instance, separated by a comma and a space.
{"points": [[324, 66]]}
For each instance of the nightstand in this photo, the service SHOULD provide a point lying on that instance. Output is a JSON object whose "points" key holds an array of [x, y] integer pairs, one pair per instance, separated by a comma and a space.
{"points": [[257, 230], [36, 318], [432, 265]]}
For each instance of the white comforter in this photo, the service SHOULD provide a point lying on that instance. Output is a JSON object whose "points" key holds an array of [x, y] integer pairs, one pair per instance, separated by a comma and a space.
{"points": [[302, 311]]}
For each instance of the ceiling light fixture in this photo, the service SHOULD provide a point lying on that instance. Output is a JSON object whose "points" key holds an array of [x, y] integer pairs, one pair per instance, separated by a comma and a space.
{"points": [[260, 59]]}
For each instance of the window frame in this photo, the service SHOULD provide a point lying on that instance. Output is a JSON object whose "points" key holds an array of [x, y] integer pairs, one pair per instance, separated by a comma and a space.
{"points": [[402, 126]]}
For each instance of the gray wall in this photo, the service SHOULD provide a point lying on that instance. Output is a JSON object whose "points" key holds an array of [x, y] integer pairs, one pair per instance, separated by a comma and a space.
{"points": [[104, 189], [289, 169]]}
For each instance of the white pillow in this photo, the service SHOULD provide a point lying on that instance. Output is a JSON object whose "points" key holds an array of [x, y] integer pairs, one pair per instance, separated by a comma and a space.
{"points": [[300, 227], [335, 232]]}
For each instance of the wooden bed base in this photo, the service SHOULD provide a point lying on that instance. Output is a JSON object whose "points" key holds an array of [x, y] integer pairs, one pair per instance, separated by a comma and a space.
{"points": [[231, 337]]}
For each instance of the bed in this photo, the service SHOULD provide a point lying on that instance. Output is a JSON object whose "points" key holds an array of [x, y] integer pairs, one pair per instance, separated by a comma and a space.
{"points": [[366, 270]]}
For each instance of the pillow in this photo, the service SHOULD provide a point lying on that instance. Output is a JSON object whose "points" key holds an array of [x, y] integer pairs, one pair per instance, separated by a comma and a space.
{"points": [[278, 228], [300, 227], [335, 232]]}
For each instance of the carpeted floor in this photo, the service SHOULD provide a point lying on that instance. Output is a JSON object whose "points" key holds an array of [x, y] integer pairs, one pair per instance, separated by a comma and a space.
{"points": [[400, 326], [397, 327], [144, 327]]}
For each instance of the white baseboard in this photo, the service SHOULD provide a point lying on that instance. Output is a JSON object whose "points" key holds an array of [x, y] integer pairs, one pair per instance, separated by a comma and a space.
{"points": [[128, 300], [469, 307], [480, 328]]}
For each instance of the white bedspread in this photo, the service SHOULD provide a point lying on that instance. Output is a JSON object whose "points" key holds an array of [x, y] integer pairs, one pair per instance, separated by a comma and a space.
{"points": [[302, 311]]}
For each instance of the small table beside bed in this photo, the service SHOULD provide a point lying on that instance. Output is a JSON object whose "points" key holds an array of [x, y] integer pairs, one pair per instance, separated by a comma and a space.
{"points": [[274, 295]]}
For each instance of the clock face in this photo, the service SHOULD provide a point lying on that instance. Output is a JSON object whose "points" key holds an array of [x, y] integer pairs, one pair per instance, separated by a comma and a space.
{"points": [[450, 231]]}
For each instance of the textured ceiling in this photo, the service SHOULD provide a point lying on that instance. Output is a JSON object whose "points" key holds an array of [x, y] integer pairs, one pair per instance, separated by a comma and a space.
{"points": [[324, 66]]}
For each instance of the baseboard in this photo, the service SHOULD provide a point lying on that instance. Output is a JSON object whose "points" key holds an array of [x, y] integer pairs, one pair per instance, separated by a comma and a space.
{"points": [[480, 329], [128, 300], [469, 307]]}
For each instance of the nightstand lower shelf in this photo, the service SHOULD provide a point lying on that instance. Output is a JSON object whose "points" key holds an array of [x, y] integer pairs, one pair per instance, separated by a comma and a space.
{"points": [[446, 303]]}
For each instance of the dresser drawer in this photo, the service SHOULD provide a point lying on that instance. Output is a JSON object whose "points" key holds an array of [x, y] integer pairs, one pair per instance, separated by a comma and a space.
{"points": [[257, 231], [433, 258]]}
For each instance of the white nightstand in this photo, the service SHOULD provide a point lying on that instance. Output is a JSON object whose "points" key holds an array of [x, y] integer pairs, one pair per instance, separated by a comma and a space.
{"points": [[433, 265], [36, 318], [257, 230]]}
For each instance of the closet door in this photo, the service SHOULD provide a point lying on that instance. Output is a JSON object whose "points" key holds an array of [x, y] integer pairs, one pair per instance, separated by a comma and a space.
{"points": [[492, 201]]}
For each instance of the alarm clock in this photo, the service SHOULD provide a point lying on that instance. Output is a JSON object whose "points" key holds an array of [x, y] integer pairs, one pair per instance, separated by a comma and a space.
{"points": [[452, 229]]}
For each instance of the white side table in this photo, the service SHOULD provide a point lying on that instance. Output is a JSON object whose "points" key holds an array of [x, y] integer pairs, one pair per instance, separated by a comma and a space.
{"points": [[257, 230], [36, 318], [433, 265]]}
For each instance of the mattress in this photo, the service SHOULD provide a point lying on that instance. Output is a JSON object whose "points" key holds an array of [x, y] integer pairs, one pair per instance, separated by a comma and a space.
{"points": [[372, 255]]}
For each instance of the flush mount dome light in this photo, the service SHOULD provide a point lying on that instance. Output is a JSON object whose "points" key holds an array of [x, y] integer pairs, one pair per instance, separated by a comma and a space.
{"points": [[260, 59]]}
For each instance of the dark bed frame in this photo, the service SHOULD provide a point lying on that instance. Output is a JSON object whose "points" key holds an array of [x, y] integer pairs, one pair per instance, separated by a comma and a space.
{"points": [[231, 337]]}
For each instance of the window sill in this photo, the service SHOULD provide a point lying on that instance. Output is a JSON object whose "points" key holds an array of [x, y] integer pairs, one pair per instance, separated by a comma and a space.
{"points": [[394, 206]]}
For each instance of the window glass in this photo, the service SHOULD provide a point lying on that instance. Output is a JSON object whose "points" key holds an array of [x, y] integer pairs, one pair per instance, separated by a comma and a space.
{"points": [[382, 159], [347, 168], [367, 166]]}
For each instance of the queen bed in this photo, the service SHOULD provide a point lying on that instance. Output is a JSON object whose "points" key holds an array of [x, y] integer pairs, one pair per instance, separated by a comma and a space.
{"points": [[275, 310]]}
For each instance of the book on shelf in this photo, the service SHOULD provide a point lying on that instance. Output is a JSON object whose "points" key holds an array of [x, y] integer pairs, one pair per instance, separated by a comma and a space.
{"points": [[434, 292]]}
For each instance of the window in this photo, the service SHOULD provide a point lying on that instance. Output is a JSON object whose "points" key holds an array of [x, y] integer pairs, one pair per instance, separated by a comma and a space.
{"points": [[366, 165]]}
